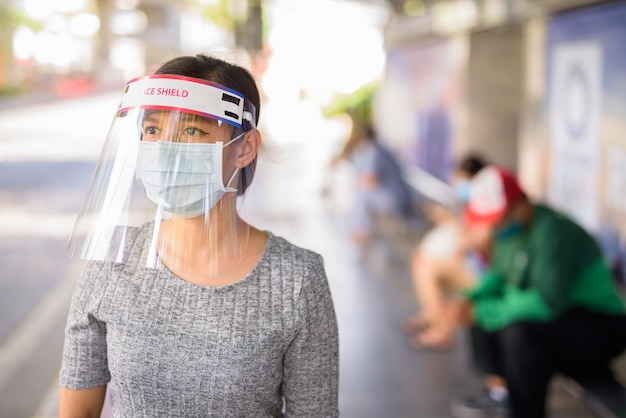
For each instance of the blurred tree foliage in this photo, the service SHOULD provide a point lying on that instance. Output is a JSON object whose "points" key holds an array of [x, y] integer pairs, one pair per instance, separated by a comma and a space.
{"points": [[220, 14], [244, 18], [357, 104], [12, 17]]}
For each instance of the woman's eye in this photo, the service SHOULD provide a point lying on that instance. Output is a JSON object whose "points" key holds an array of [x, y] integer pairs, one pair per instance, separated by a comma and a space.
{"points": [[151, 130], [192, 131]]}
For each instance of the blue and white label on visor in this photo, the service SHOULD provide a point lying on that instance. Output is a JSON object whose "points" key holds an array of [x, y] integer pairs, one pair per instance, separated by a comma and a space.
{"points": [[170, 92]]}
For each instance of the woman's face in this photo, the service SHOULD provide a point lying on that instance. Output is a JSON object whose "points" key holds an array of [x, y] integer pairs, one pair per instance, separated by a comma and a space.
{"points": [[180, 127], [186, 128]]}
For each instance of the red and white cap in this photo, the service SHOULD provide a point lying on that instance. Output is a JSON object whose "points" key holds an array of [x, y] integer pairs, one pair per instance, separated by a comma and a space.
{"points": [[492, 191]]}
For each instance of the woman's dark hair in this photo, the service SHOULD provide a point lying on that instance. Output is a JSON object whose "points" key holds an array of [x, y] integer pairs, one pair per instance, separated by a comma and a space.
{"points": [[228, 75], [217, 71], [472, 164]]}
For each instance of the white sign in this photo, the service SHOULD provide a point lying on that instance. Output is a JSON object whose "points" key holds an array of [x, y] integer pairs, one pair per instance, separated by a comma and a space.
{"points": [[616, 180], [575, 109]]}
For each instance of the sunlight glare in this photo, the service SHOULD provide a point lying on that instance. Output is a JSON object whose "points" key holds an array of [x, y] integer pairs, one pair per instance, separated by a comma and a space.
{"points": [[320, 49]]}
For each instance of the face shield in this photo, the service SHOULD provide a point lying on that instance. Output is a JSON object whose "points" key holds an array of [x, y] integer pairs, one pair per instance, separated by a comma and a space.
{"points": [[164, 189]]}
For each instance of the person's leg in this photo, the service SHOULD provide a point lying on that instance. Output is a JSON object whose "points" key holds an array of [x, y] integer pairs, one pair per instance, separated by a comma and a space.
{"points": [[486, 360], [427, 280], [578, 342], [528, 365], [435, 281], [361, 220], [430, 268], [369, 204], [597, 338], [485, 351], [431, 327]]}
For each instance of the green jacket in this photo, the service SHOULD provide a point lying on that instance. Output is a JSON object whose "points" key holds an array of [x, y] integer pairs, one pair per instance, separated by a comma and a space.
{"points": [[540, 273]]}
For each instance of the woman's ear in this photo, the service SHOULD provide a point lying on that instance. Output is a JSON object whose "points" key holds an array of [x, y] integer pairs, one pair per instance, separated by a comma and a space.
{"points": [[248, 148]]}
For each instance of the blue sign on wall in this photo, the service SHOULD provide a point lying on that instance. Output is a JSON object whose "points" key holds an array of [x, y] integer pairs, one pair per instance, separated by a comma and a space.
{"points": [[586, 104]]}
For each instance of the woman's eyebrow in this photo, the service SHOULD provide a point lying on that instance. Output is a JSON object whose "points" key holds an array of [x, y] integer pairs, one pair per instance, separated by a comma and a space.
{"points": [[157, 117], [153, 117], [198, 119]]}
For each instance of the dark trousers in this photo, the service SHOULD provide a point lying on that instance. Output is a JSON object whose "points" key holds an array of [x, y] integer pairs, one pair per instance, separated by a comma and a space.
{"points": [[529, 354]]}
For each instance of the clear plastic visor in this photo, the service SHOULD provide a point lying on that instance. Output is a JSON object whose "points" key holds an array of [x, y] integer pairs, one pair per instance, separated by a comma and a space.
{"points": [[164, 191]]}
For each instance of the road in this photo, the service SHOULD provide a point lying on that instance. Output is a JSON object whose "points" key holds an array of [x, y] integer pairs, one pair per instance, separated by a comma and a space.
{"points": [[47, 155]]}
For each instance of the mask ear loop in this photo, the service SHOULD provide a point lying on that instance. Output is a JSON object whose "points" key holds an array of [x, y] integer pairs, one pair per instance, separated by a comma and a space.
{"points": [[230, 180], [234, 139], [248, 119]]}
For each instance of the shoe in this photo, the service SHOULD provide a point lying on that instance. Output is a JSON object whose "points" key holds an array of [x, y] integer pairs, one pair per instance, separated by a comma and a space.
{"points": [[481, 407]]}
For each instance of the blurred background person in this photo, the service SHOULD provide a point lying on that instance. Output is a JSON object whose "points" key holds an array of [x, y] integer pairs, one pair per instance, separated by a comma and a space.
{"points": [[446, 262], [547, 304], [381, 190]]}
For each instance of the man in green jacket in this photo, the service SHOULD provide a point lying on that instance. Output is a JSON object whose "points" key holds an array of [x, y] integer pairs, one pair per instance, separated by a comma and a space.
{"points": [[548, 304]]}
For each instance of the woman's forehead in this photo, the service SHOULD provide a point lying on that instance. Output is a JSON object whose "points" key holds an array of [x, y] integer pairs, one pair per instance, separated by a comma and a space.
{"points": [[168, 115]]}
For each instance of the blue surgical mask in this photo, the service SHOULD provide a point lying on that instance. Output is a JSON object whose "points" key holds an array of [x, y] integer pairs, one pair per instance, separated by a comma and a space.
{"points": [[183, 178], [510, 230], [462, 190]]}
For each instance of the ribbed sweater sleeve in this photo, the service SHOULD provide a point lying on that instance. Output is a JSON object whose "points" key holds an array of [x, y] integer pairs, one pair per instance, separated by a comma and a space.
{"points": [[312, 359], [85, 334]]}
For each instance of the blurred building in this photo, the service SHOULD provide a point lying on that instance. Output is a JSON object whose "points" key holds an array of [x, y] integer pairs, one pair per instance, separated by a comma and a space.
{"points": [[538, 85]]}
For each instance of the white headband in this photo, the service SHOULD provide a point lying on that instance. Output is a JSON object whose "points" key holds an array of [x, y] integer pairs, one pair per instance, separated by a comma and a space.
{"points": [[170, 92]]}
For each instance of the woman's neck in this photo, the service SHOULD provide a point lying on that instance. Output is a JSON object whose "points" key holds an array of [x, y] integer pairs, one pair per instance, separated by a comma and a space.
{"points": [[217, 250]]}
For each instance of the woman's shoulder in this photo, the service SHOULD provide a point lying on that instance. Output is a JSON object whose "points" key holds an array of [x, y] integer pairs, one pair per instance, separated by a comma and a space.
{"points": [[128, 243], [292, 265], [126, 248], [285, 251], [296, 270]]}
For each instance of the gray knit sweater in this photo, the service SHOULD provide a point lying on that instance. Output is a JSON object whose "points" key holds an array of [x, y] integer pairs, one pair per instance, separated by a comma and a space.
{"points": [[169, 348]]}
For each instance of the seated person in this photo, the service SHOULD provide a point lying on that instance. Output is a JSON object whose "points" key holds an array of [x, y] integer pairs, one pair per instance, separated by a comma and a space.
{"points": [[445, 262], [548, 303]]}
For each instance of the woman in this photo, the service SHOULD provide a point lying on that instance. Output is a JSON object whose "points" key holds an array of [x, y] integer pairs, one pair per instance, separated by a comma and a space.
{"points": [[185, 309]]}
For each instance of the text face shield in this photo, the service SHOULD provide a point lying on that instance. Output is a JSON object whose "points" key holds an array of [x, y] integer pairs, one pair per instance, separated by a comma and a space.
{"points": [[167, 177]]}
